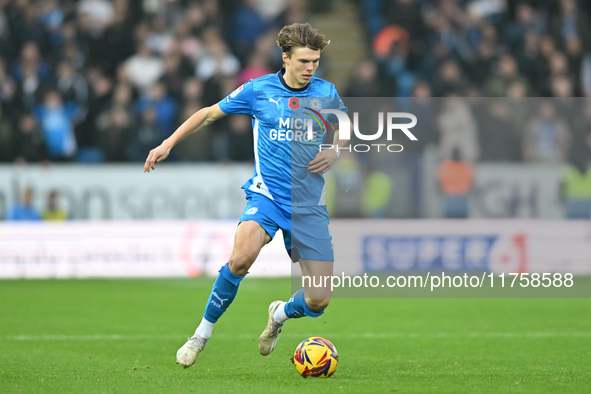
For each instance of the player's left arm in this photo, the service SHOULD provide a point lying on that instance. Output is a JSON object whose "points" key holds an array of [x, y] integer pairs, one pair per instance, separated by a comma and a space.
{"points": [[324, 160]]}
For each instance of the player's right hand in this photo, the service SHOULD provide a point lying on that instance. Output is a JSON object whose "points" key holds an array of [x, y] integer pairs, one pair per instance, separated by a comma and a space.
{"points": [[157, 155]]}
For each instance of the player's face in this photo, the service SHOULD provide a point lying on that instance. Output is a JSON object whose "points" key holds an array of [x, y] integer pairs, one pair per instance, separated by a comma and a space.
{"points": [[300, 66]]}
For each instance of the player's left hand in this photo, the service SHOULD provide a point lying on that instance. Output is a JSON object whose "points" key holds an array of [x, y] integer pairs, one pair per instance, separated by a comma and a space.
{"points": [[322, 162]]}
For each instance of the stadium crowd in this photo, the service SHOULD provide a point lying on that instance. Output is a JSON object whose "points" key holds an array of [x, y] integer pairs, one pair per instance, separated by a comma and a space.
{"points": [[105, 81]]}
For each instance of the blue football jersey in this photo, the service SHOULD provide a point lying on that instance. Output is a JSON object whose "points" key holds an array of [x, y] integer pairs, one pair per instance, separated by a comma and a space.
{"points": [[288, 128]]}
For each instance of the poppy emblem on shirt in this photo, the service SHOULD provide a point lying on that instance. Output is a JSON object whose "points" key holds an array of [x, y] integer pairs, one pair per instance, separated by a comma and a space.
{"points": [[294, 103]]}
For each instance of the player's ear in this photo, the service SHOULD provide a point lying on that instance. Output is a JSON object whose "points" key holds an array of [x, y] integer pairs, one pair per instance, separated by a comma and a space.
{"points": [[284, 57]]}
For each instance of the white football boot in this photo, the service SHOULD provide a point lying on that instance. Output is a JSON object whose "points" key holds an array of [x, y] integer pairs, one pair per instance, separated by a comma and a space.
{"points": [[187, 354], [269, 337]]}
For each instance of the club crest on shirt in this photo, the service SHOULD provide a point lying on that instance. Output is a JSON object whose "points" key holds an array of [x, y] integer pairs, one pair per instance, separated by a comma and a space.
{"points": [[315, 104]]}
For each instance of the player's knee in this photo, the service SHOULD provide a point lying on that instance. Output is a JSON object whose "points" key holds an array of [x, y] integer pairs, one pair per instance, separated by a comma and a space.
{"points": [[317, 304], [240, 262]]}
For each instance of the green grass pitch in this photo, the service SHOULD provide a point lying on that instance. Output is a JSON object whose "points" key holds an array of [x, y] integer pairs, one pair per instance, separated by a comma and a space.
{"points": [[120, 336]]}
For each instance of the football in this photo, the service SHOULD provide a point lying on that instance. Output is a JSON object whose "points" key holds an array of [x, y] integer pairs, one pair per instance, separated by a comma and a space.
{"points": [[316, 357]]}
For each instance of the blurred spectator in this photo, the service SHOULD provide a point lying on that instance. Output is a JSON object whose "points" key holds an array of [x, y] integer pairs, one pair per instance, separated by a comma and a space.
{"points": [[558, 66], [531, 62], [344, 187], [561, 86], [71, 51], [119, 35], [178, 68], [26, 26], [8, 88], [241, 141], [6, 137], [486, 9], [526, 23], [56, 120], [392, 45], [499, 139], [576, 189], [483, 64], [458, 130], [73, 88], [192, 91], [98, 12], [517, 89], [115, 128], [100, 95], [246, 27], [159, 38], [24, 210], [365, 82], [580, 149], [376, 195], [144, 68], [31, 63], [52, 16], [424, 107], [449, 80], [187, 41], [148, 135], [123, 96], [32, 75], [256, 66], [52, 210], [7, 42], [574, 53], [547, 136], [390, 41], [406, 14], [569, 22], [270, 10], [199, 146], [508, 73], [217, 59], [164, 106], [455, 180], [29, 144]]}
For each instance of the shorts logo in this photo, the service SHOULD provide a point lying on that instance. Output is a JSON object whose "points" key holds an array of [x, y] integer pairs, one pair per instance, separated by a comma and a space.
{"points": [[251, 211]]}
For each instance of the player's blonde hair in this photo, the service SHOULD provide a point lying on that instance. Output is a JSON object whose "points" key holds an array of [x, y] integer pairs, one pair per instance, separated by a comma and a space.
{"points": [[300, 35]]}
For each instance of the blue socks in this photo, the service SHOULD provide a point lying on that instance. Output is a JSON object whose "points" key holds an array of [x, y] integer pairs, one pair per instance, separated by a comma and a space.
{"points": [[222, 294], [224, 291], [296, 307]]}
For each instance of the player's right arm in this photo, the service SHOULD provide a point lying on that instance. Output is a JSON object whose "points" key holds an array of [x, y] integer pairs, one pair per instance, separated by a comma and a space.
{"points": [[200, 119]]}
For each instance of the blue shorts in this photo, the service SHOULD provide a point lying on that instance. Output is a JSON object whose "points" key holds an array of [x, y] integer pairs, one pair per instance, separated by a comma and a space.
{"points": [[305, 229]]}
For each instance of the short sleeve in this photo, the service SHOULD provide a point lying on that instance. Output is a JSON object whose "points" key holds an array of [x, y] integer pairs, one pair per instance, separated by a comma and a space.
{"points": [[240, 101], [336, 103]]}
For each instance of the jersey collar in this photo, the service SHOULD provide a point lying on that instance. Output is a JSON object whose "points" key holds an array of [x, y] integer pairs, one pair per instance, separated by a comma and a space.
{"points": [[280, 75]]}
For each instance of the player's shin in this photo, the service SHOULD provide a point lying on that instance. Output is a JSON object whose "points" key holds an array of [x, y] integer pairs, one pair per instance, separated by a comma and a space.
{"points": [[222, 294]]}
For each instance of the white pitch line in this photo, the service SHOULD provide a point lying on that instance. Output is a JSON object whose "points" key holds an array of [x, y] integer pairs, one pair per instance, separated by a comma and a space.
{"points": [[384, 335]]}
